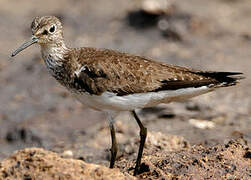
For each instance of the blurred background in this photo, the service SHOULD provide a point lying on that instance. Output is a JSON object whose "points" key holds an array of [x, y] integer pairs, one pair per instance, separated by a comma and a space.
{"points": [[210, 35]]}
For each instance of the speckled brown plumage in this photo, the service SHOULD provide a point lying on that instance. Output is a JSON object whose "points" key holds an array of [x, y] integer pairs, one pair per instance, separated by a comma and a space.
{"points": [[122, 73]]}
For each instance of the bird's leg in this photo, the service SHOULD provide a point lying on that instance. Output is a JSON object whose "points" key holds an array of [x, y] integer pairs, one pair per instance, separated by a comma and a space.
{"points": [[114, 148], [143, 134]]}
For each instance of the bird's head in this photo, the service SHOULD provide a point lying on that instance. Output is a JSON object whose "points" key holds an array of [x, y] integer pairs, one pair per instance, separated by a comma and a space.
{"points": [[46, 31]]}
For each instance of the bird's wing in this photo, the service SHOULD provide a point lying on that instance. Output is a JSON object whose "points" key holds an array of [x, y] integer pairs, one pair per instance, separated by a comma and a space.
{"points": [[105, 70]]}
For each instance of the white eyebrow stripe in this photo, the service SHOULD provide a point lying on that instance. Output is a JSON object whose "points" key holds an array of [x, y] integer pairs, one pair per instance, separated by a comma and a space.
{"points": [[77, 72]]}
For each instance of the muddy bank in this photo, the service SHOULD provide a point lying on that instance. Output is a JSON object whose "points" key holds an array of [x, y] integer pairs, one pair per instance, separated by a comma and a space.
{"points": [[165, 157]]}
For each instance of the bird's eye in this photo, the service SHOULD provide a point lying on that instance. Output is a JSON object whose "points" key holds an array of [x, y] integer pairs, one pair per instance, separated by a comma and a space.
{"points": [[52, 29]]}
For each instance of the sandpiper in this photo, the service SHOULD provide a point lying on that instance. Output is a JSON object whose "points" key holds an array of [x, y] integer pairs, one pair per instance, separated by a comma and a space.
{"points": [[113, 81]]}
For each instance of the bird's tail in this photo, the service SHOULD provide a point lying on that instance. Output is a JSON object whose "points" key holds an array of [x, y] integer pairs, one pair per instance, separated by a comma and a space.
{"points": [[225, 79]]}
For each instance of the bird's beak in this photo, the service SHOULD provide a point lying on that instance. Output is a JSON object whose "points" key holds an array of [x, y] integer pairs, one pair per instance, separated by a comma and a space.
{"points": [[28, 43]]}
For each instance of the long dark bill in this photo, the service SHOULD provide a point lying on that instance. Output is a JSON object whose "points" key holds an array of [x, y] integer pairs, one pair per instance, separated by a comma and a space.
{"points": [[28, 43]]}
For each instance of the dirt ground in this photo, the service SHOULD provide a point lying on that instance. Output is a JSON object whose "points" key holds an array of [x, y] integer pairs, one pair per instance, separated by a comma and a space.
{"points": [[35, 111]]}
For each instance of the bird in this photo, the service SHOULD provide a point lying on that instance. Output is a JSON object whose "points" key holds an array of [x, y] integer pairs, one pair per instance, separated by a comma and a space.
{"points": [[112, 81]]}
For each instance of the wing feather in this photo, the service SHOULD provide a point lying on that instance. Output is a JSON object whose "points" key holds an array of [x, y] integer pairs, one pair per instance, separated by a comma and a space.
{"points": [[123, 74]]}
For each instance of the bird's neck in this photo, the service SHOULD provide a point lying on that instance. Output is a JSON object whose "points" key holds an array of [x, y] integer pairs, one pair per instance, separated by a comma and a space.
{"points": [[53, 54], [57, 62]]}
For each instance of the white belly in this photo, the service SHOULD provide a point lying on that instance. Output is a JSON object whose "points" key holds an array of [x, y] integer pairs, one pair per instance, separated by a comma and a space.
{"points": [[109, 101]]}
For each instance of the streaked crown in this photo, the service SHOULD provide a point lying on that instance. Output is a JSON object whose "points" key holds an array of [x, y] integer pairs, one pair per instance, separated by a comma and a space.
{"points": [[48, 29]]}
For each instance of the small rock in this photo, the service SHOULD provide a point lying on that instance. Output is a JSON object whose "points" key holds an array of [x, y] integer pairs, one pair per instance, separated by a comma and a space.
{"points": [[157, 6], [202, 124], [67, 154]]}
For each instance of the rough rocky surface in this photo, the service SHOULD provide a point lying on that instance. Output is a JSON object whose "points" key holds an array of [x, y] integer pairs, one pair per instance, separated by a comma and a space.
{"points": [[35, 111], [36, 163], [228, 161], [165, 157]]}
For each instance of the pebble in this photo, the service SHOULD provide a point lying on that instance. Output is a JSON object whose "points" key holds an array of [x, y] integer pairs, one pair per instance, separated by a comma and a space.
{"points": [[157, 6], [67, 154], [202, 124]]}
